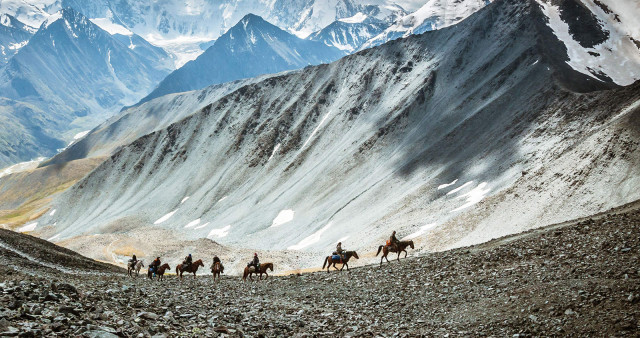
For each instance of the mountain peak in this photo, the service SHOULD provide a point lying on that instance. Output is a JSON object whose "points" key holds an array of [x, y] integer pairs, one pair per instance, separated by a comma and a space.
{"points": [[68, 15], [252, 21]]}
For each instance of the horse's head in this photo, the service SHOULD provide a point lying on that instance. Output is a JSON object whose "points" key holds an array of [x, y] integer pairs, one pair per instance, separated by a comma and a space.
{"points": [[269, 266], [355, 254], [411, 244], [199, 262], [165, 266]]}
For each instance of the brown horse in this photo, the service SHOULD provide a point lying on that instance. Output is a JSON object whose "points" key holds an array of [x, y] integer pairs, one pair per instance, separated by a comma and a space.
{"points": [[160, 272], [217, 269], [262, 269], [402, 246], [347, 257], [191, 269]]}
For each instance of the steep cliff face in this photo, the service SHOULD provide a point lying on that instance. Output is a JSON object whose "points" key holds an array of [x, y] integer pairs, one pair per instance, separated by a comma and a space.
{"points": [[440, 136]]}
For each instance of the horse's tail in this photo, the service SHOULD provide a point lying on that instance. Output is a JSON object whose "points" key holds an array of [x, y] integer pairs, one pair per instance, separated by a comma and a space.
{"points": [[325, 261], [379, 248]]}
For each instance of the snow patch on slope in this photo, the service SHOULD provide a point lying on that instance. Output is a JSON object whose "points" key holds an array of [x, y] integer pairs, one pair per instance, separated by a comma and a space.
{"points": [[165, 217], [220, 233], [618, 57], [111, 27], [312, 239], [358, 18], [474, 196], [285, 216], [28, 227]]}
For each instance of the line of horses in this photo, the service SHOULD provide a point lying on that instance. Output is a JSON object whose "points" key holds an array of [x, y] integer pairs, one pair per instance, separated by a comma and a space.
{"points": [[217, 268]]}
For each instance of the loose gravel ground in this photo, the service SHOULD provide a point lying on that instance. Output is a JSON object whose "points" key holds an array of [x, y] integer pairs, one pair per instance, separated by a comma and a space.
{"points": [[579, 279]]}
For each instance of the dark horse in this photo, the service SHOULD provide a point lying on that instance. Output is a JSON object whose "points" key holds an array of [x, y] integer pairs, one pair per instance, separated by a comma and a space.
{"points": [[217, 269], [347, 257], [191, 269], [402, 246], [160, 272], [262, 269]]}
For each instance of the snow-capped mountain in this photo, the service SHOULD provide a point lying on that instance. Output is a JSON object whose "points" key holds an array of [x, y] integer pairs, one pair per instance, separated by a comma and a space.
{"points": [[350, 34], [434, 14], [452, 137], [250, 48], [13, 36], [79, 74], [180, 27]]}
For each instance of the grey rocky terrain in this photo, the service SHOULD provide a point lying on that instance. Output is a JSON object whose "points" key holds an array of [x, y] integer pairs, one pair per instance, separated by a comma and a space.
{"points": [[580, 278]]}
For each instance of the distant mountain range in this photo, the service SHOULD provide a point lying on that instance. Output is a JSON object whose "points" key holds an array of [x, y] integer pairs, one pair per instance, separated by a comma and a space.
{"points": [[78, 74], [180, 27], [86, 60], [250, 48]]}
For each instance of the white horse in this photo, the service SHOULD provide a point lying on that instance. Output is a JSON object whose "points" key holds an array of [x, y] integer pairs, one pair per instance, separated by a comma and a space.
{"points": [[130, 269]]}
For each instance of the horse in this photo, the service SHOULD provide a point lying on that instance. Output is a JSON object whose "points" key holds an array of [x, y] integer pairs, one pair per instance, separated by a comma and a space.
{"points": [[347, 257], [135, 268], [160, 271], [217, 269], [402, 246], [262, 269], [192, 269]]}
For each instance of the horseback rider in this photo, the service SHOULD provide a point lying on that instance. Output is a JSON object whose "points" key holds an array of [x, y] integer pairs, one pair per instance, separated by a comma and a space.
{"points": [[393, 241], [216, 260], [133, 261], [187, 262], [339, 250], [155, 265], [255, 262]]}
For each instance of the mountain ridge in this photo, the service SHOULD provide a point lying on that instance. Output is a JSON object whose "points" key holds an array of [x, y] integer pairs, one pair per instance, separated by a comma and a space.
{"points": [[250, 48], [413, 134]]}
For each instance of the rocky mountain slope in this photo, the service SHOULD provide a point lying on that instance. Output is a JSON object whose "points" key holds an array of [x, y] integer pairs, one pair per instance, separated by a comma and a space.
{"points": [[441, 136], [250, 48], [26, 255], [13, 36], [434, 14], [575, 279], [351, 33]]}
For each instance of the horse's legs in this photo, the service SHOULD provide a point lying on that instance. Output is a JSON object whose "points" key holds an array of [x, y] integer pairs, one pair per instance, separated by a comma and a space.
{"points": [[266, 275], [335, 267], [405, 253]]}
